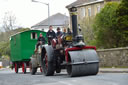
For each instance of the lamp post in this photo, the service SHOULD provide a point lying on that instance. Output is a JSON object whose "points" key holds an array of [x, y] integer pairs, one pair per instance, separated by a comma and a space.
{"points": [[48, 9]]}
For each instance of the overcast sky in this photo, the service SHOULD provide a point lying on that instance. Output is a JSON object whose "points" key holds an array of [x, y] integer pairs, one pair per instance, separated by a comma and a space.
{"points": [[29, 13]]}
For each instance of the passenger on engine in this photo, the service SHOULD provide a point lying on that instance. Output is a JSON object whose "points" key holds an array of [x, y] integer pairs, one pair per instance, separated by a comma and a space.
{"points": [[59, 33], [41, 40], [50, 35], [64, 31]]}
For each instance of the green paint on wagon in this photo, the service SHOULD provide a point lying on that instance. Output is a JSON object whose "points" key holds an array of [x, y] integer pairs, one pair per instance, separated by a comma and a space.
{"points": [[23, 44]]}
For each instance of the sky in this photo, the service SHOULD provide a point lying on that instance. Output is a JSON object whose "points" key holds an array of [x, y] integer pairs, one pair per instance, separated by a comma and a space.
{"points": [[29, 13]]}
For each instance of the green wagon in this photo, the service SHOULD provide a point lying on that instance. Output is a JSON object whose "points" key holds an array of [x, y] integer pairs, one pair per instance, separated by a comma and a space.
{"points": [[22, 48]]}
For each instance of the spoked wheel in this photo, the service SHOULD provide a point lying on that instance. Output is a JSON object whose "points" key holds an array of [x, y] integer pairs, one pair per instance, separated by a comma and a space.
{"points": [[24, 67], [33, 71], [16, 68], [47, 66]]}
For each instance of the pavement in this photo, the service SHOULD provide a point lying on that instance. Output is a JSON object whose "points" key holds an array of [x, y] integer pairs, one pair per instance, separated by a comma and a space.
{"points": [[113, 70]]}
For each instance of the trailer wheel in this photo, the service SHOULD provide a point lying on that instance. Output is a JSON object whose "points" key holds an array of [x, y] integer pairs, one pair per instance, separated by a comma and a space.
{"points": [[24, 67], [16, 68], [47, 66]]}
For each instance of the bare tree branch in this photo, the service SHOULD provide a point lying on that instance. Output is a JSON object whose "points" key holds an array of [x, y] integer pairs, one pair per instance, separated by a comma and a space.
{"points": [[9, 21]]}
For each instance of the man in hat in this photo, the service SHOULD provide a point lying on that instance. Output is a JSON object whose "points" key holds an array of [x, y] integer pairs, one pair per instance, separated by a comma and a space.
{"points": [[59, 33]]}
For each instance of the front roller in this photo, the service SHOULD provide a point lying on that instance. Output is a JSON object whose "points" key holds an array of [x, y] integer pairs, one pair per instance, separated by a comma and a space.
{"points": [[83, 62]]}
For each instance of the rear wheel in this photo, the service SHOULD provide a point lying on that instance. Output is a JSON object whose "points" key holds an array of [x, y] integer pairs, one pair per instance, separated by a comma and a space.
{"points": [[47, 66], [16, 67], [41, 70], [24, 67]]}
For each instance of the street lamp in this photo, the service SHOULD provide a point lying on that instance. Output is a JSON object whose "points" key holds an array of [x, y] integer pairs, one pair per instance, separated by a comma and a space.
{"points": [[48, 9]]}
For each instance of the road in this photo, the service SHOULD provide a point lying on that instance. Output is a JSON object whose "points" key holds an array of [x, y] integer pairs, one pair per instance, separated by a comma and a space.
{"points": [[8, 77]]}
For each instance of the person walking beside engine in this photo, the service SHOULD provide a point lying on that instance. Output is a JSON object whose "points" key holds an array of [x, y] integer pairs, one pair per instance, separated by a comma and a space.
{"points": [[50, 35]]}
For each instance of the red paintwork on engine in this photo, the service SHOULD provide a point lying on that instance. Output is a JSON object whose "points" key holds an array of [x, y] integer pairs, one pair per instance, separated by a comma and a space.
{"points": [[54, 42]]}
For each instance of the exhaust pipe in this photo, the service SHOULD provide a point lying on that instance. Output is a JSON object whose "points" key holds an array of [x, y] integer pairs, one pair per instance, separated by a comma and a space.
{"points": [[73, 12]]}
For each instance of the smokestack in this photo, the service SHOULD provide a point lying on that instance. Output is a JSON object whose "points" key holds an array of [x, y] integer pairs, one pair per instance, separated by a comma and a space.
{"points": [[73, 12]]}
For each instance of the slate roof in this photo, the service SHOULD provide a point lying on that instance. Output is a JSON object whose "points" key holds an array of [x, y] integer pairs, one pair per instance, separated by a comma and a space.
{"points": [[55, 20], [79, 2]]}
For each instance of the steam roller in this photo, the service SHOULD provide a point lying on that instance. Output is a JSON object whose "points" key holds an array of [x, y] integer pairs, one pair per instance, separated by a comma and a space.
{"points": [[70, 52]]}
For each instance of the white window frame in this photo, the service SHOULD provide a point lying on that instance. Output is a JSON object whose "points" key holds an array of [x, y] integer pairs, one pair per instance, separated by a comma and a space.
{"points": [[98, 8], [89, 12], [32, 35], [83, 12]]}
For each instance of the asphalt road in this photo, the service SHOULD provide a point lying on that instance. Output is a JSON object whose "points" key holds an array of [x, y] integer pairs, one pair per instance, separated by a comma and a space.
{"points": [[8, 77]]}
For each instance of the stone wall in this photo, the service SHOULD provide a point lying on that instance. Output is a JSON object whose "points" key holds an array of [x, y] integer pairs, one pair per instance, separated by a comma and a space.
{"points": [[5, 63], [116, 57]]}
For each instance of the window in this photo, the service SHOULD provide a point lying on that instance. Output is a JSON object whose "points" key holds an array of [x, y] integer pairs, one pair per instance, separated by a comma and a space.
{"points": [[89, 11], [33, 35], [82, 12], [98, 9]]}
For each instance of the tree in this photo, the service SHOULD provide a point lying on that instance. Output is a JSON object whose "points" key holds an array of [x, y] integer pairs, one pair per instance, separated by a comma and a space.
{"points": [[5, 48], [9, 21], [4, 40], [87, 29], [105, 26], [122, 20]]}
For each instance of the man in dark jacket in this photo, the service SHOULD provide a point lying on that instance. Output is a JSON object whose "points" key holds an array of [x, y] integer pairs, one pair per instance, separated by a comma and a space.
{"points": [[59, 33], [41, 40], [50, 34]]}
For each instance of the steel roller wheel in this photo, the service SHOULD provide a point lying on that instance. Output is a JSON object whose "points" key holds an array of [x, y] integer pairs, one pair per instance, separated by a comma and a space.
{"points": [[16, 68], [24, 67], [82, 70], [82, 63]]}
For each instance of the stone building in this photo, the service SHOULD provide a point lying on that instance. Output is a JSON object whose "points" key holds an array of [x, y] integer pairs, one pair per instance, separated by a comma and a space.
{"points": [[88, 8]]}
